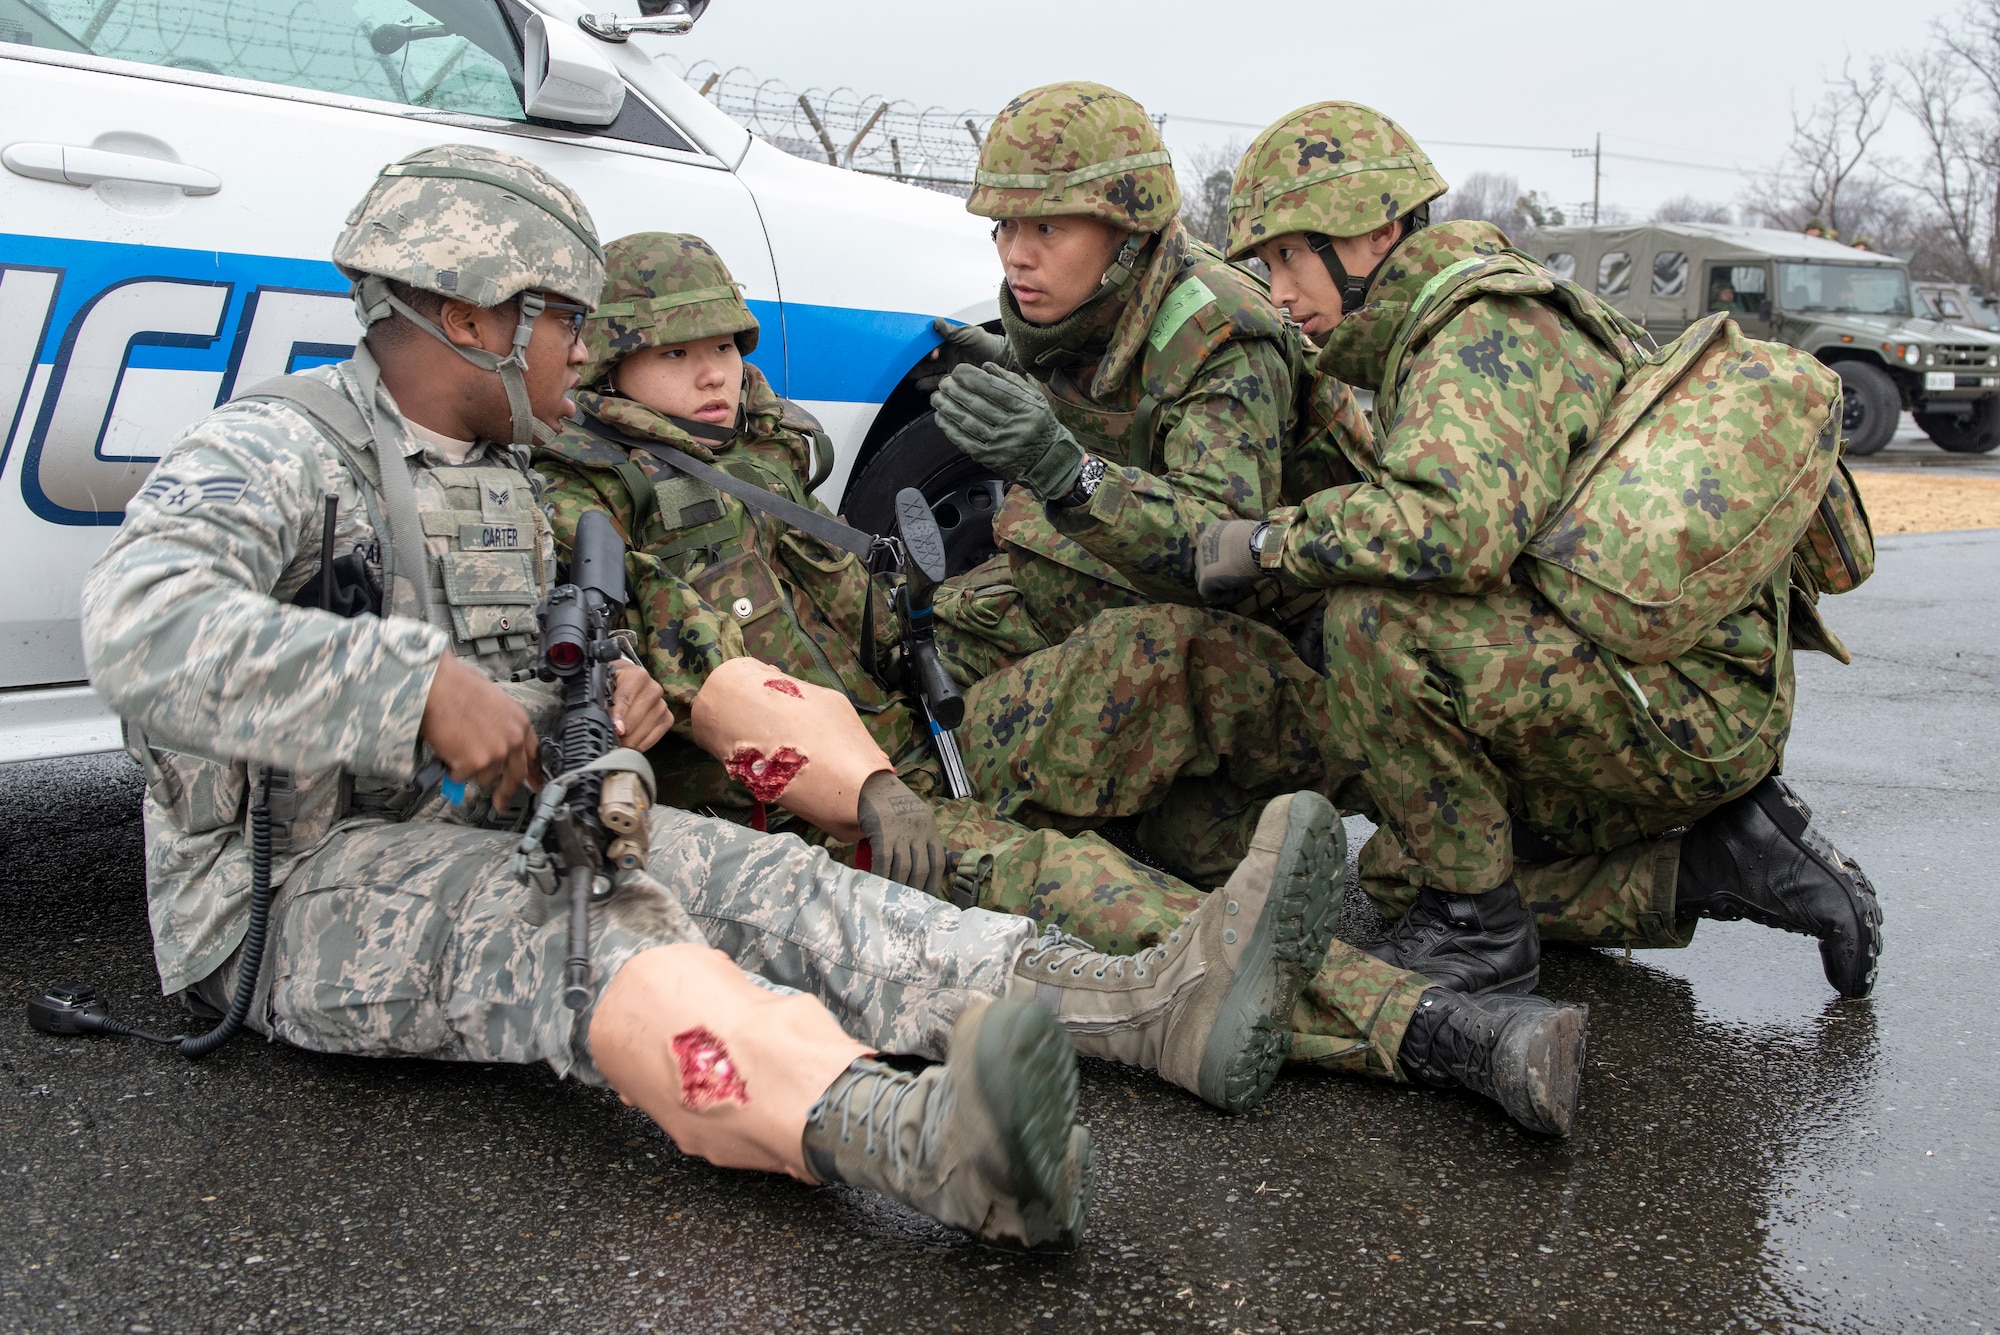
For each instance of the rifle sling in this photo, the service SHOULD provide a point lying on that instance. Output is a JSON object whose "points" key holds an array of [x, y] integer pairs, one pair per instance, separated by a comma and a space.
{"points": [[824, 527]]}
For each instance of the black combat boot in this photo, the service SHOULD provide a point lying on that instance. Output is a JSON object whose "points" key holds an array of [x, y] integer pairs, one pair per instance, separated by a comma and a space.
{"points": [[1468, 943], [1524, 1053], [1758, 858]]}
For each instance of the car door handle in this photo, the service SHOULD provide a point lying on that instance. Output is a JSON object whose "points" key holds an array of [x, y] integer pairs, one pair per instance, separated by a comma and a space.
{"points": [[67, 164]]}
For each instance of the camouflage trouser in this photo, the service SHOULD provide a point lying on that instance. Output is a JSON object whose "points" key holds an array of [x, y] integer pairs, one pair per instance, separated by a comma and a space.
{"points": [[416, 940], [995, 615], [1498, 742]]}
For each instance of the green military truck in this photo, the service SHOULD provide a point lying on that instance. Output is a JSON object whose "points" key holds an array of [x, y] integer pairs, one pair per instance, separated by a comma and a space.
{"points": [[1852, 309]]}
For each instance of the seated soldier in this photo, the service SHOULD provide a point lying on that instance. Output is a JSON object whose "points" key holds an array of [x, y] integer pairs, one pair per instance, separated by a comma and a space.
{"points": [[400, 928], [1110, 717]]}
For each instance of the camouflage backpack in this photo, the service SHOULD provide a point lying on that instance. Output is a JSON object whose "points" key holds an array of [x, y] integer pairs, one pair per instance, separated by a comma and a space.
{"points": [[1716, 470]]}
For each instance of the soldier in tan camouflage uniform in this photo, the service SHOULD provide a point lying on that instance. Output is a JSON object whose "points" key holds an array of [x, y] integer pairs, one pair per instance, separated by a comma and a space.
{"points": [[1523, 775], [399, 926], [715, 582]]}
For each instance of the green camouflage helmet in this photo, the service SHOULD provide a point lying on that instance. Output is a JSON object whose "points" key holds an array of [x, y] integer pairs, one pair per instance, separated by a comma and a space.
{"points": [[481, 226], [1076, 149], [1336, 168], [662, 288]]}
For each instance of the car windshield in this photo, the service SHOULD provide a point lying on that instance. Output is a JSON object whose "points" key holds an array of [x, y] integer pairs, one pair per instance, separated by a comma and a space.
{"points": [[1846, 289]]}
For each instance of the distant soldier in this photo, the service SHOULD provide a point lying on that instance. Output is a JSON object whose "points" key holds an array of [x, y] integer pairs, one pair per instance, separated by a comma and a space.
{"points": [[1819, 227], [1522, 775], [1862, 243], [394, 488]]}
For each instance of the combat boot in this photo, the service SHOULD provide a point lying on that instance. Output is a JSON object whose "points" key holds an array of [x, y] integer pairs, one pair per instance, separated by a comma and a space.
{"points": [[1468, 943], [1210, 1008], [1524, 1053], [987, 1142], [1758, 858]]}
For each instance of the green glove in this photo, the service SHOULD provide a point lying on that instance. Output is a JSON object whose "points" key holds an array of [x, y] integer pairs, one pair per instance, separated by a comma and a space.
{"points": [[963, 345], [1003, 421], [1225, 568], [971, 342], [902, 833]]}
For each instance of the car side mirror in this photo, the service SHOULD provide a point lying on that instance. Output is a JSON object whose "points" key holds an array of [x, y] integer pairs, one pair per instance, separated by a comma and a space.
{"points": [[566, 78]]}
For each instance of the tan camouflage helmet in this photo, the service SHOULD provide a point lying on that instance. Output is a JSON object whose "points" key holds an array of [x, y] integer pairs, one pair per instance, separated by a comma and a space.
{"points": [[1076, 149], [662, 288], [476, 224], [1335, 168], [481, 226]]}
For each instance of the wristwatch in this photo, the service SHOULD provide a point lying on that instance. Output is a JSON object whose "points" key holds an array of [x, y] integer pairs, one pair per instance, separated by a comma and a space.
{"points": [[1087, 479], [1257, 537]]}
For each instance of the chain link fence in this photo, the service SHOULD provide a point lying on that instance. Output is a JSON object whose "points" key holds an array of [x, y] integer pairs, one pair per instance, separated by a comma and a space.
{"points": [[930, 146]]}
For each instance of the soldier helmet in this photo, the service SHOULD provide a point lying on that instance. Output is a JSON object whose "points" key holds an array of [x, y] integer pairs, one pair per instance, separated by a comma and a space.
{"points": [[1820, 225], [480, 226], [1331, 168], [662, 288], [1076, 149]]}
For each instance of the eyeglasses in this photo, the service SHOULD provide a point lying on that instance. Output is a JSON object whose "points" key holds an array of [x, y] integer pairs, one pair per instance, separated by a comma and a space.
{"points": [[574, 314]]}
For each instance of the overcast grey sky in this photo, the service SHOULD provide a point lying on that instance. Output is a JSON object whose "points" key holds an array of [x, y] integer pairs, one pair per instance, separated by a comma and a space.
{"points": [[1710, 82]]}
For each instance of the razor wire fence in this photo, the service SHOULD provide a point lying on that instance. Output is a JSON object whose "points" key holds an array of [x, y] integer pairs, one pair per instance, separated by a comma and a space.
{"points": [[878, 136]]}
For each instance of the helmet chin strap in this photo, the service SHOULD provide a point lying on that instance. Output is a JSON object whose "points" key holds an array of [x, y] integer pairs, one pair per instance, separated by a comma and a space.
{"points": [[1353, 290], [374, 302]]}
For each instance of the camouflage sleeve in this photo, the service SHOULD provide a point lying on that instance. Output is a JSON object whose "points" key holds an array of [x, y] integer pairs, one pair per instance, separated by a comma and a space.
{"points": [[1465, 472], [183, 637], [681, 638], [1221, 446]]}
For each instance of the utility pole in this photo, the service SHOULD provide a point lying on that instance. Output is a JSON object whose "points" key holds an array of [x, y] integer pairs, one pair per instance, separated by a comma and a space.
{"points": [[1596, 177]]}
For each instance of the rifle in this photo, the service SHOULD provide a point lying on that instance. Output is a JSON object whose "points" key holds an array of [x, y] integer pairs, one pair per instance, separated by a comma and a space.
{"points": [[924, 678], [591, 818]]}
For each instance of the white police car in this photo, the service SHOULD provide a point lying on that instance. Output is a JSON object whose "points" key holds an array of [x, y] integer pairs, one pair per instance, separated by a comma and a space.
{"points": [[177, 171]]}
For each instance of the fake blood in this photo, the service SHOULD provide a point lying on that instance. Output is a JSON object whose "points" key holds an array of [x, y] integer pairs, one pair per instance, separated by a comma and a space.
{"points": [[784, 687], [708, 1076], [765, 776]]}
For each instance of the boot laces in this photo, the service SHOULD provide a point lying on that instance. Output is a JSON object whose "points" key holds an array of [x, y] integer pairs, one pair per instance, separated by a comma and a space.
{"points": [[896, 1085], [1055, 950]]}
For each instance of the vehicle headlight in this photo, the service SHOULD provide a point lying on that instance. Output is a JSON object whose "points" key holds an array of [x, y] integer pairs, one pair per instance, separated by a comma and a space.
{"points": [[1910, 354]]}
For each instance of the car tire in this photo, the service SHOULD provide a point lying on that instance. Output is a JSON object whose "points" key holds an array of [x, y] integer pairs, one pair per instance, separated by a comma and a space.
{"points": [[1869, 406], [1975, 433], [963, 493]]}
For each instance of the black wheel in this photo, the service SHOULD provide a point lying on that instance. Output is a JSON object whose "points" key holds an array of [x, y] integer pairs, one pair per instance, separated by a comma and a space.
{"points": [[963, 494], [1869, 406], [1976, 432]]}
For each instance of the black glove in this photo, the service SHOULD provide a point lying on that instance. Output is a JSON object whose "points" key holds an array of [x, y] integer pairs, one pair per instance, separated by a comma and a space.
{"points": [[1224, 566], [902, 833]]}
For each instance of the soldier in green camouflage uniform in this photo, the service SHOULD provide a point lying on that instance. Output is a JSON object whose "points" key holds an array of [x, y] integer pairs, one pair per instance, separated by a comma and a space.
{"points": [[1101, 721], [1517, 768], [399, 926]]}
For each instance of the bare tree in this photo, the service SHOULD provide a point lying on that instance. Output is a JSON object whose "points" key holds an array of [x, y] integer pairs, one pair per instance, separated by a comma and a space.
{"points": [[1204, 180], [1688, 208], [1828, 156], [1953, 93]]}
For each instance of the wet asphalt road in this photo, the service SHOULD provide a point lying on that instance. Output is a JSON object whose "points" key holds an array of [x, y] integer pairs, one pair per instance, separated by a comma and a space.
{"points": [[1753, 1155]]}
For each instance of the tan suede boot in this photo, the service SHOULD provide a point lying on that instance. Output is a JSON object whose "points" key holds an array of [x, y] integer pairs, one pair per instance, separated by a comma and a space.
{"points": [[1210, 1009], [985, 1142]]}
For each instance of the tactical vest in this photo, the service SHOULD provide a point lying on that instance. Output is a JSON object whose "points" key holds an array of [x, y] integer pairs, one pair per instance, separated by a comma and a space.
{"points": [[1212, 304], [711, 541], [485, 555]]}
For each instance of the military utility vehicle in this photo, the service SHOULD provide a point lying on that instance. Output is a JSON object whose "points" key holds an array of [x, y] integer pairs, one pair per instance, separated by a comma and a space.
{"points": [[1852, 309], [1955, 303]]}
